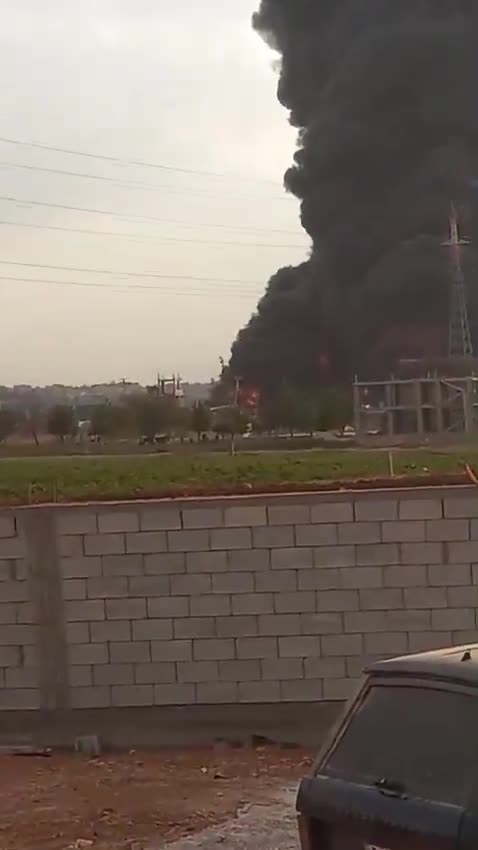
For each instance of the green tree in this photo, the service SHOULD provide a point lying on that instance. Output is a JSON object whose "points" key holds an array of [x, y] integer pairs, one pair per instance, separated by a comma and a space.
{"points": [[61, 421], [8, 423], [292, 409], [230, 422], [200, 419], [108, 420]]}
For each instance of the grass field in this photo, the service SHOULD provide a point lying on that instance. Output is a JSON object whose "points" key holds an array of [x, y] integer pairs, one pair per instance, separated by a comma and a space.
{"points": [[27, 480]]}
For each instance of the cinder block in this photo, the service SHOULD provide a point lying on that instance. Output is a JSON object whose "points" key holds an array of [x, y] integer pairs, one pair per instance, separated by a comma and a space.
{"points": [[182, 694], [359, 532], [113, 674], [159, 518], [279, 624], [341, 689], [203, 518], [26, 698], [153, 674], [80, 677], [421, 509], [149, 586], [342, 645], [463, 597], [254, 603], [281, 580], [405, 576], [215, 650], [460, 506], [84, 609], [130, 653], [125, 609], [377, 554], [320, 624], [376, 510], [361, 577], [21, 677], [195, 627], [473, 527], [190, 585], [122, 565], [463, 553], [233, 583], [292, 559], [171, 563], [288, 514], [8, 571], [298, 647], [315, 535], [145, 542], [116, 630], [337, 600], [189, 541], [460, 638], [107, 588], [168, 606], [99, 697], [7, 526], [104, 544], [391, 643], [244, 515], [449, 574], [152, 630], [305, 690], [381, 600], [198, 671], [70, 546], [421, 553], [171, 650], [11, 547], [290, 603], [19, 635], [324, 668], [80, 567], [77, 633], [409, 621], [231, 538], [319, 579], [403, 531], [30, 656], [25, 612], [425, 597], [355, 666], [219, 693], [256, 647], [334, 556], [332, 512], [206, 562], [236, 626], [274, 536], [448, 529], [9, 656], [453, 619], [427, 641], [210, 606], [76, 521], [75, 588], [240, 671], [110, 522], [259, 692], [132, 695], [88, 653], [14, 591], [248, 560], [365, 621]]}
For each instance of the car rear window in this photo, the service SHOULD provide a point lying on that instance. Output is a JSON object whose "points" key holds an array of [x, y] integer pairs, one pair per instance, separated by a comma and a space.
{"points": [[423, 738]]}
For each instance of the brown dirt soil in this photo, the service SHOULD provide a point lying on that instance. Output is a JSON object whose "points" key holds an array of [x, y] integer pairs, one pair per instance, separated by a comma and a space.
{"points": [[127, 802]]}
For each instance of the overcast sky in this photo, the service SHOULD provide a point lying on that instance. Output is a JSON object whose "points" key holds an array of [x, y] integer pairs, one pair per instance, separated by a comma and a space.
{"points": [[187, 85]]}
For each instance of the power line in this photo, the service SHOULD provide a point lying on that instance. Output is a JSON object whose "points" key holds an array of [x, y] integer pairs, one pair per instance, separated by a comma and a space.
{"points": [[146, 238], [230, 292], [134, 162], [132, 217], [118, 273]]}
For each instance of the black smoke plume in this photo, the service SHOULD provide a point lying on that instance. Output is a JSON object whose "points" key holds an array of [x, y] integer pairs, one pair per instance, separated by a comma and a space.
{"points": [[384, 96]]}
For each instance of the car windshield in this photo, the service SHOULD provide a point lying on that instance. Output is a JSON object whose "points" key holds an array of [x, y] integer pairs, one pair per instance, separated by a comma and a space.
{"points": [[422, 740]]}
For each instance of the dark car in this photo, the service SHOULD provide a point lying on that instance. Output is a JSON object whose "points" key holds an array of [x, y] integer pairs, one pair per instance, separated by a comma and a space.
{"points": [[400, 770]]}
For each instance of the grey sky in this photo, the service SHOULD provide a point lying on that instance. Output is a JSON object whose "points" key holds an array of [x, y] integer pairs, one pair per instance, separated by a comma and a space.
{"points": [[187, 84]]}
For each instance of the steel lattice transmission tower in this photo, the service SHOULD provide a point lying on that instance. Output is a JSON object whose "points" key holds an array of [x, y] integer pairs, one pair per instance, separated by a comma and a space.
{"points": [[459, 340]]}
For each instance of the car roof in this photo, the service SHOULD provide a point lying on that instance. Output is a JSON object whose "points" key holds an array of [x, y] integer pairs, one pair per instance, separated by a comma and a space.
{"points": [[457, 663]]}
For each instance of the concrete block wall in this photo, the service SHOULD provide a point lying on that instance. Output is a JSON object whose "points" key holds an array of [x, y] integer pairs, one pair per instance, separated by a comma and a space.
{"points": [[233, 601]]}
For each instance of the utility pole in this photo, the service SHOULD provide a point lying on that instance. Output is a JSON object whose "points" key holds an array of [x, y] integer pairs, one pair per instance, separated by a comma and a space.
{"points": [[459, 336]]}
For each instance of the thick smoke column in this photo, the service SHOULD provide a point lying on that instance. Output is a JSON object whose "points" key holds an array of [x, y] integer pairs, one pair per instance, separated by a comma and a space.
{"points": [[384, 96]]}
